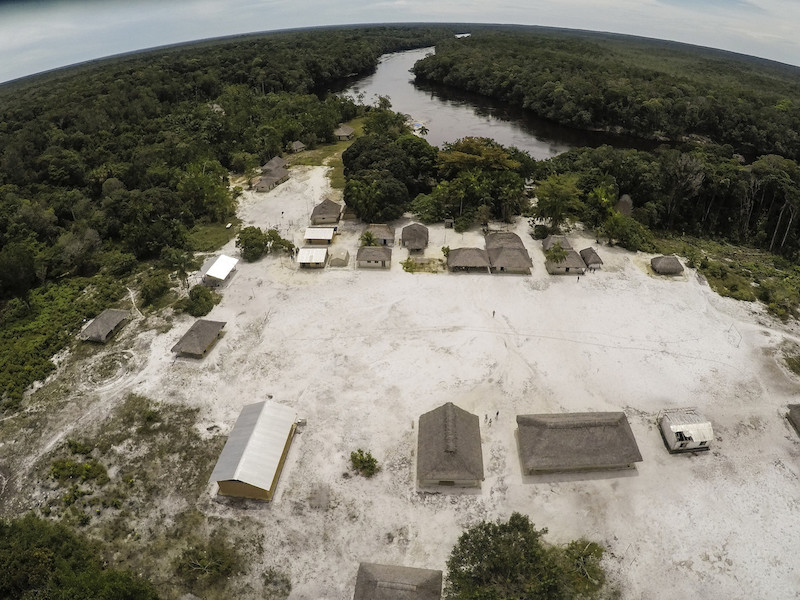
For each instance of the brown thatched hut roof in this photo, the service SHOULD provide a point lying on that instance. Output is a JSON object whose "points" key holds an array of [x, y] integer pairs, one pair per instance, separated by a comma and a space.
{"points": [[389, 582], [326, 209], [666, 265], [374, 253], [297, 146], [414, 236], [573, 262], [199, 338], [272, 178], [625, 205], [509, 258], [103, 325], [449, 446], [576, 441], [503, 239], [467, 258], [794, 416], [344, 131], [552, 240], [381, 231], [276, 162], [590, 257]]}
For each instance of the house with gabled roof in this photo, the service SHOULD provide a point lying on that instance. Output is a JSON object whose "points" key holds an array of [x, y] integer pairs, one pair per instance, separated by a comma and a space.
{"points": [[468, 259], [104, 325], [449, 448], [389, 582], [199, 339], [414, 237], [326, 212]]}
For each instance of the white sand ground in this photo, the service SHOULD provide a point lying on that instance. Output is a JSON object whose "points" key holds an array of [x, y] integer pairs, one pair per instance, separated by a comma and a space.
{"points": [[361, 354]]}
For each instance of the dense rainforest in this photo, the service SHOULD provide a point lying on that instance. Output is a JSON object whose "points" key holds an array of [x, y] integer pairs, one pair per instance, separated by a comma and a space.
{"points": [[648, 88], [107, 164]]}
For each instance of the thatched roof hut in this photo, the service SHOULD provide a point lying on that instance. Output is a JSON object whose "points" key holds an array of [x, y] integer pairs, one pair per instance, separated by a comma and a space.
{"points": [[199, 338], [794, 416], [374, 256], [271, 179], [572, 264], [449, 448], [344, 132], [276, 162], [503, 239], [414, 236], [384, 234], [389, 582], [326, 211], [468, 259], [509, 259], [104, 325], [625, 205], [552, 240], [591, 258], [297, 146], [576, 442], [666, 265]]}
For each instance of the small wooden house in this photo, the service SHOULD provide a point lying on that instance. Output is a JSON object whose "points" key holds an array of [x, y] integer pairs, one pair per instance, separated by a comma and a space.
{"points": [[251, 462], [384, 235], [571, 265], [312, 258], [104, 325], [468, 259], [344, 132], [685, 430], [449, 448], [374, 257], [297, 146], [389, 582], [590, 258], [666, 265], [414, 237], [326, 212], [199, 339]]}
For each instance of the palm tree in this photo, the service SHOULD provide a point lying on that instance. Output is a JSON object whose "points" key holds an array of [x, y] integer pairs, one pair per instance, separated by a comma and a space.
{"points": [[368, 239]]}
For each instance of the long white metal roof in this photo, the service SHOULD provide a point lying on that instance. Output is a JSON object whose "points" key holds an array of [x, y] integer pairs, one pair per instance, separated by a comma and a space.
{"points": [[312, 255], [319, 233], [222, 267], [255, 445]]}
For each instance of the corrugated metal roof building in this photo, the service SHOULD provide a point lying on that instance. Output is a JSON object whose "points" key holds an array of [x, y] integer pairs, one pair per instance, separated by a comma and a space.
{"points": [[251, 462], [685, 429], [220, 269]]}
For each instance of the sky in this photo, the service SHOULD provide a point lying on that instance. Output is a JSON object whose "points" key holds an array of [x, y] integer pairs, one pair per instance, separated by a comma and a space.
{"points": [[38, 35]]}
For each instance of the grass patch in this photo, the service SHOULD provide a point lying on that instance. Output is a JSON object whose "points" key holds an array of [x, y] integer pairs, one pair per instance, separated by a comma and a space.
{"points": [[330, 155], [208, 237]]}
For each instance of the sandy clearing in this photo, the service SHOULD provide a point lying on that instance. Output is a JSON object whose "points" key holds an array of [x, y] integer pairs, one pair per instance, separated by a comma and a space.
{"points": [[361, 354]]}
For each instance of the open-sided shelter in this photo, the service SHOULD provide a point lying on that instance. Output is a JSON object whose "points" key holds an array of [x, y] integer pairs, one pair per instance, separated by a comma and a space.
{"points": [[576, 442], [666, 265], [571, 265], [384, 234], [793, 415], [319, 235], [449, 448], [389, 582], [590, 258], [104, 325], [220, 270], [376, 257], [326, 212], [251, 462], [344, 132], [685, 430], [468, 259], [312, 258], [414, 236], [199, 339]]}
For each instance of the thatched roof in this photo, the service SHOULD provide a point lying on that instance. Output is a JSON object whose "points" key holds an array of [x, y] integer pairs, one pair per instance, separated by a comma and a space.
{"points": [[276, 162], [326, 208], [449, 445], [467, 258], [343, 131], [272, 178], [576, 441], [374, 253], [415, 236], [590, 257], [297, 146], [625, 205], [552, 240], [388, 582], [503, 239], [381, 231], [794, 416], [509, 258], [666, 265], [104, 325], [573, 262], [199, 338]]}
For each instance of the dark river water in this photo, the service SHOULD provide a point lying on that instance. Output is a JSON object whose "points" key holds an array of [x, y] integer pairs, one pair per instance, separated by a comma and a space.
{"points": [[451, 114]]}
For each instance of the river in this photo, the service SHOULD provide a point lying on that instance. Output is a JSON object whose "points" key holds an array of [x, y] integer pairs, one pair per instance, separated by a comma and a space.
{"points": [[451, 114]]}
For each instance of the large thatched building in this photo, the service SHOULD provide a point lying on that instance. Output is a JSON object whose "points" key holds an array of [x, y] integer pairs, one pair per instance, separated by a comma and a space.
{"points": [[571, 265], [552, 240], [576, 442], [591, 258], [251, 462], [449, 448], [414, 237], [104, 325], [389, 582], [374, 257], [666, 265], [468, 259], [326, 212], [199, 339], [507, 253]]}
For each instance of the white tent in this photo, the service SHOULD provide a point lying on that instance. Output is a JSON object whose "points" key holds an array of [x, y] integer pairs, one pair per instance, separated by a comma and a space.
{"points": [[250, 464], [221, 269]]}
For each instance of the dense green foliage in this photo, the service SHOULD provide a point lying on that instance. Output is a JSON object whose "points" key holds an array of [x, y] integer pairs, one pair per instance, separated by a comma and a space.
{"points": [[41, 559], [255, 243], [364, 463], [648, 88], [200, 301], [502, 560]]}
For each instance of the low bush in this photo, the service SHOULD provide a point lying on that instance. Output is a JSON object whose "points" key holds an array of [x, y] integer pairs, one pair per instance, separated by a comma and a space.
{"points": [[364, 463]]}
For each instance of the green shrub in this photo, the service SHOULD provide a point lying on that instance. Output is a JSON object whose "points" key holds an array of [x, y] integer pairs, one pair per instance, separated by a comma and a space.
{"points": [[64, 469], [154, 287], [540, 232], [364, 463], [200, 301], [208, 563]]}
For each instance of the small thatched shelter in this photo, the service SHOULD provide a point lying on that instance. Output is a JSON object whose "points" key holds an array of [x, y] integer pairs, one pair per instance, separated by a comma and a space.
{"points": [[414, 236], [199, 339], [374, 257], [384, 234], [271, 179], [793, 414], [625, 205], [344, 132], [388, 582], [339, 257], [509, 260], [468, 259], [571, 265], [685, 430], [576, 442], [104, 325], [666, 265], [276, 162], [590, 258], [552, 240], [326, 212], [449, 448], [297, 146]]}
